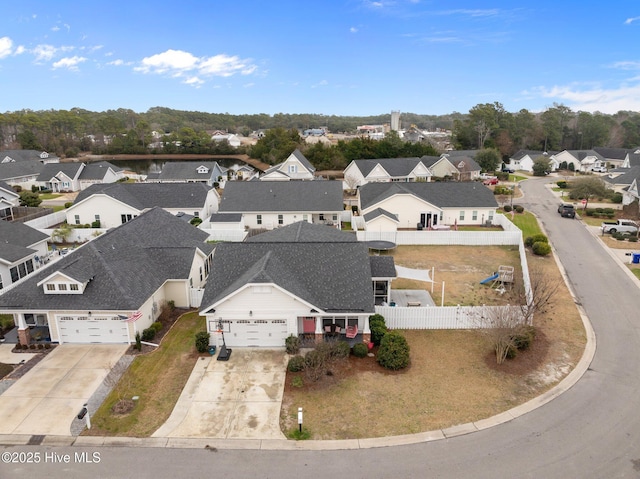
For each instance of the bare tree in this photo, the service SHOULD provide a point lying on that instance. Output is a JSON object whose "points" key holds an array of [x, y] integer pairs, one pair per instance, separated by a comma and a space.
{"points": [[351, 182], [509, 328]]}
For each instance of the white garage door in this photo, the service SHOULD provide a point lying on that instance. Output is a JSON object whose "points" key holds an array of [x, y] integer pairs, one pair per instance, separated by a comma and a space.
{"points": [[260, 332], [82, 329]]}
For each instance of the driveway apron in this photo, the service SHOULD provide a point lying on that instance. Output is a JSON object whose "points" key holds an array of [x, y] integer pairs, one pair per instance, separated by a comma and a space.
{"points": [[239, 398], [47, 398]]}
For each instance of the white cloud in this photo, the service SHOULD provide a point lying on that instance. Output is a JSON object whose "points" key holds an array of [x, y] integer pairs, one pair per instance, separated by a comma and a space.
{"points": [[178, 63], [353, 30], [70, 62], [629, 21], [194, 81], [55, 28], [116, 63], [19, 50], [320, 84], [595, 98], [44, 52], [6, 47], [627, 65]]}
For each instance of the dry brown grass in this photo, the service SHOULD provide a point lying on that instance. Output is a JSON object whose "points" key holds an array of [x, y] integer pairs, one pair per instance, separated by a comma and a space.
{"points": [[461, 268], [453, 377]]}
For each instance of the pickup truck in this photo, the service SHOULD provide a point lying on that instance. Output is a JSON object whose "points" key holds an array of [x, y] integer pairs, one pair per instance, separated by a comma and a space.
{"points": [[622, 226]]}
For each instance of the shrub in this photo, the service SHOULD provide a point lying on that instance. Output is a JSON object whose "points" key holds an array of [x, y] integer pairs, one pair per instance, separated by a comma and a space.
{"points": [[296, 364], [394, 351], [378, 330], [561, 184], [315, 363], [292, 344], [47, 346], [339, 350], [376, 318], [297, 382], [40, 346], [172, 304], [138, 341], [506, 208], [633, 239], [202, 341], [523, 339], [148, 334], [502, 175], [541, 248], [32, 346], [360, 350], [68, 204], [24, 347], [95, 224], [157, 326], [538, 238], [519, 209], [616, 198]]}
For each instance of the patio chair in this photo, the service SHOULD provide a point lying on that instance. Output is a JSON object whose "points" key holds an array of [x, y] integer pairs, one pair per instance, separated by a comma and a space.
{"points": [[352, 331]]}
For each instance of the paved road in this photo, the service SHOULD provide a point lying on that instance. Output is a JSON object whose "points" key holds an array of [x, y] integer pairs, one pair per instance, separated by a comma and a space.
{"points": [[591, 431]]}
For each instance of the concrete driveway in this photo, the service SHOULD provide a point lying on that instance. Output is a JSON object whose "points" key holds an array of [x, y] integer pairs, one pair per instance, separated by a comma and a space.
{"points": [[239, 398], [48, 397]]}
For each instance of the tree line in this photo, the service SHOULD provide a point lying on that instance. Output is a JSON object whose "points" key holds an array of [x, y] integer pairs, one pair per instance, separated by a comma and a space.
{"points": [[485, 126]]}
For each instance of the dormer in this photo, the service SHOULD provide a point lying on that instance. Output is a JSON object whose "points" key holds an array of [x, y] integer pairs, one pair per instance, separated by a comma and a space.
{"points": [[202, 170], [8, 159], [60, 283], [44, 155]]}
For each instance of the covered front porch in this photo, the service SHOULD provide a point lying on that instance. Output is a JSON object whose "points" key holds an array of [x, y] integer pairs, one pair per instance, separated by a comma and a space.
{"points": [[352, 329]]}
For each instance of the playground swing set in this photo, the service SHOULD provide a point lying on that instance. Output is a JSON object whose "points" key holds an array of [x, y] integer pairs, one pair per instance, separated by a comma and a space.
{"points": [[501, 279]]}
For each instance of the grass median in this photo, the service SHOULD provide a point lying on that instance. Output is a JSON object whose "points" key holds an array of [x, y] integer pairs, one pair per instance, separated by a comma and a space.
{"points": [[157, 378]]}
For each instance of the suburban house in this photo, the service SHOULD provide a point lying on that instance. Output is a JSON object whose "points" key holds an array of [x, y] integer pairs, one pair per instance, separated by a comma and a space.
{"points": [[117, 203], [295, 167], [233, 140], [113, 287], [8, 199], [271, 204], [21, 173], [433, 205], [632, 159], [582, 160], [621, 180], [16, 156], [615, 157], [100, 172], [360, 172], [303, 280], [22, 250], [468, 169], [207, 172], [440, 166], [523, 160], [59, 177]]}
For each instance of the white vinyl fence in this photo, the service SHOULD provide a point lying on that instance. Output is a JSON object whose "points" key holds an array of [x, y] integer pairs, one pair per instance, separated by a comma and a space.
{"points": [[447, 317]]}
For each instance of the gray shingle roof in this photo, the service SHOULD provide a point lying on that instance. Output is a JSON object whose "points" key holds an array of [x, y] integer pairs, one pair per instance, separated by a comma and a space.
{"points": [[396, 167], [125, 266], [335, 277], [52, 170], [226, 218], [429, 161], [466, 194], [281, 196], [12, 253], [188, 170], [20, 234], [25, 155], [97, 170], [382, 267], [303, 232], [20, 169], [379, 212], [148, 195]]}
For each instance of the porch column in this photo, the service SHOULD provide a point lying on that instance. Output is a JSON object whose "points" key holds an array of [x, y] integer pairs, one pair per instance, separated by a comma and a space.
{"points": [[366, 332], [24, 335], [319, 332]]}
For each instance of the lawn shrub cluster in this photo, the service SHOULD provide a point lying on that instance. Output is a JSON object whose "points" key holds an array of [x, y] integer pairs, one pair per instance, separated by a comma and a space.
{"points": [[148, 334], [318, 361], [521, 341], [378, 328], [292, 344], [202, 341], [360, 350], [601, 212], [507, 208], [295, 364], [519, 208], [394, 351]]}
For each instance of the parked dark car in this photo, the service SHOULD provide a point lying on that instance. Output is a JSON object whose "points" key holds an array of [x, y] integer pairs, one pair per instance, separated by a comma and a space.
{"points": [[507, 169], [567, 210]]}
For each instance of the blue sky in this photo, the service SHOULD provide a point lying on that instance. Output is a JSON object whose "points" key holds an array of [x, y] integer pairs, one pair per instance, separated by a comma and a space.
{"points": [[332, 57]]}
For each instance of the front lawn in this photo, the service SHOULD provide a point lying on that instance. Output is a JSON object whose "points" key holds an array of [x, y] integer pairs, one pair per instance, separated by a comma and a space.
{"points": [[157, 378], [49, 196], [527, 222]]}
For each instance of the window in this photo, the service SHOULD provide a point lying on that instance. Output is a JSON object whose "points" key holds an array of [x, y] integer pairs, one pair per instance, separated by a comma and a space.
{"points": [[196, 214], [1, 285], [462, 215], [491, 216], [29, 264], [474, 215], [293, 168], [22, 270], [126, 218], [97, 217], [441, 215], [259, 219], [62, 287], [51, 287], [14, 274], [305, 218], [280, 220], [321, 216], [73, 287], [76, 218], [335, 217], [201, 274]]}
